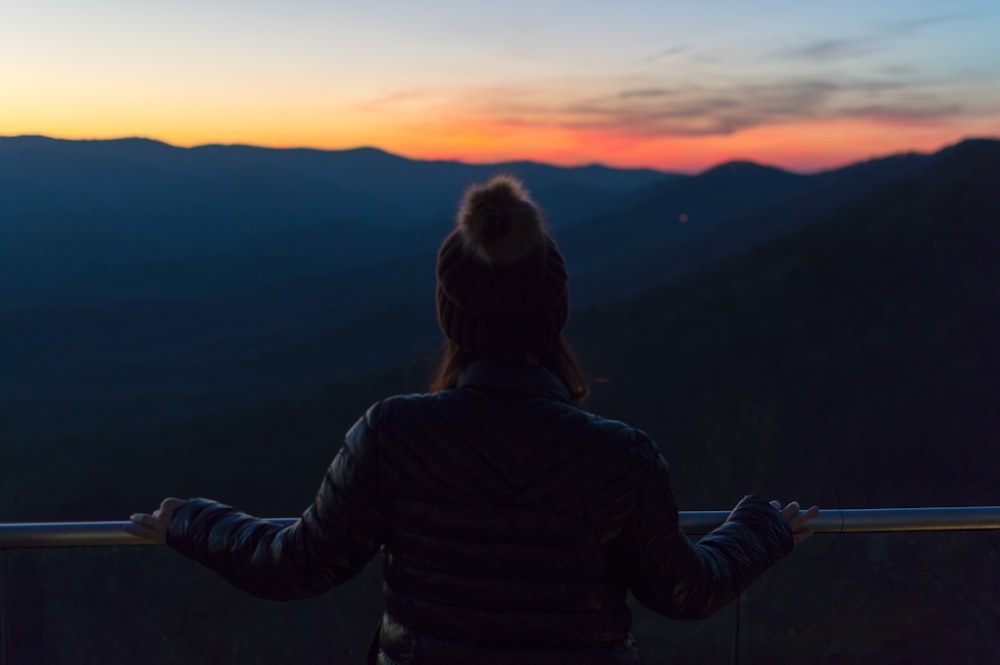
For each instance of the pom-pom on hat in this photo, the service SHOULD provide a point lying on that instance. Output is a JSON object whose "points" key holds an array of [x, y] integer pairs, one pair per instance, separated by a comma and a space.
{"points": [[501, 280]]}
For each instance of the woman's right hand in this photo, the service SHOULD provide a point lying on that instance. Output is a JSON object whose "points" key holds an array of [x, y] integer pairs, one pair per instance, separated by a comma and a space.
{"points": [[797, 518], [154, 527]]}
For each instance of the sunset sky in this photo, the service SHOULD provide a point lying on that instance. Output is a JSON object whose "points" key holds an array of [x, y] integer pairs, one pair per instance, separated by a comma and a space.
{"points": [[670, 85]]}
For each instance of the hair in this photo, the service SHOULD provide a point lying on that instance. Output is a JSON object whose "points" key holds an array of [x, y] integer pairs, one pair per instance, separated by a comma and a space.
{"points": [[559, 359]]}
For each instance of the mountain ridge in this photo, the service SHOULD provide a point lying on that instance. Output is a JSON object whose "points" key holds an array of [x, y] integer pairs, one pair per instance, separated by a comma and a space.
{"points": [[612, 256]]}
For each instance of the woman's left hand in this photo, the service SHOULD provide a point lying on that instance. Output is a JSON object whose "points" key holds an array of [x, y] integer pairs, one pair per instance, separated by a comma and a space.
{"points": [[154, 527], [797, 519]]}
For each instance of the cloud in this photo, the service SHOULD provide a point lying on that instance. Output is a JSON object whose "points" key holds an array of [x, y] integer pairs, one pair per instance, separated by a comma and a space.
{"points": [[402, 100], [931, 114], [909, 26], [881, 39], [666, 53], [647, 93], [704, 109], [722, 92], [827, 50]]}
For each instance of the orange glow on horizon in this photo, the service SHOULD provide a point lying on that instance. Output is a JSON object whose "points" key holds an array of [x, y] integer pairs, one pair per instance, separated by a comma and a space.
{"points": [[669, 88], [805, 146]]}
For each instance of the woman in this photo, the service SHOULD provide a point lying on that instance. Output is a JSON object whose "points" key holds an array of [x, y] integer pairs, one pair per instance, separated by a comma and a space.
{"points": [[512, 522]]}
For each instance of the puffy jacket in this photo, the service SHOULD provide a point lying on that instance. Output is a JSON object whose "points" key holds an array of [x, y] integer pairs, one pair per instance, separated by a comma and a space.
{"points": [[512, 524]]}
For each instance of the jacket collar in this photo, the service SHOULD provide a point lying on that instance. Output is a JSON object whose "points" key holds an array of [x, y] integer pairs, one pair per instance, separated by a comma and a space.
{"points": [[535, 380]]}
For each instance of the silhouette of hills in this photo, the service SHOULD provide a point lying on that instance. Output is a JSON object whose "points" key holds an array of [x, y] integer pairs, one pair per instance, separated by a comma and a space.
{"points": [[876, 313], [832, 337], [98, 221], [210, 330], [672, 228], [855, 357]]}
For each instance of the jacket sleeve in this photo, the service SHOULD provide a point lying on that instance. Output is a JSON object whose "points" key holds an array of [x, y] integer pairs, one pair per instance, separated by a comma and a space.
{"points": [[333, 540], [682, 580]]}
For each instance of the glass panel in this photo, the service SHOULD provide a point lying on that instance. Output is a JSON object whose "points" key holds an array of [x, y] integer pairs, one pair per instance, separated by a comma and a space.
{"points": [[860, 599], [149, 605], [665, 641], [872, 599]]}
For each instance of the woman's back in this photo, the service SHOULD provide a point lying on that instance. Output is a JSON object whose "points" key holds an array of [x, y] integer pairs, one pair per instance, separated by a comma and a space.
{"points": [[504, 504]]}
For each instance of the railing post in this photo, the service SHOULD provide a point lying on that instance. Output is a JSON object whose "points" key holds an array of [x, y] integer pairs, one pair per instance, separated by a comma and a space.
{"points": [[736, 632], [3, 607]]}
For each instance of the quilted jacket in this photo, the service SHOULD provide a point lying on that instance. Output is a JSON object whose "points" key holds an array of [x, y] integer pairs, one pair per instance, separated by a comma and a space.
{"points": [[512, 525]]}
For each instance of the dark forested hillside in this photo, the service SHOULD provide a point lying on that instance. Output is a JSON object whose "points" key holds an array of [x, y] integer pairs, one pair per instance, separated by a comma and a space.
{"points": [[859, 347], [142, 283], [86, 221], [672, 228], [856, 359]]}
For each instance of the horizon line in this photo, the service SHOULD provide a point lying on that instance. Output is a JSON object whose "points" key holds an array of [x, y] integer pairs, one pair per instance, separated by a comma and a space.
{"points": [[523, 160]]}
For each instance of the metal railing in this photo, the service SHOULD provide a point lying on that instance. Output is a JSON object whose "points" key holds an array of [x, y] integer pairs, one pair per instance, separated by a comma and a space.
{"points": [[16, 536], [866, 520]]}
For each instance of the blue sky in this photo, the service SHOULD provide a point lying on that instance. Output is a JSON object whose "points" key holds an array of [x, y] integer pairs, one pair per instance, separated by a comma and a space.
{"points": [[664, 84]]}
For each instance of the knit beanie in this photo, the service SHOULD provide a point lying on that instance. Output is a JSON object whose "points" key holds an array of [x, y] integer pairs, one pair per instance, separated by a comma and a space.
{"points": [[501, 280]]}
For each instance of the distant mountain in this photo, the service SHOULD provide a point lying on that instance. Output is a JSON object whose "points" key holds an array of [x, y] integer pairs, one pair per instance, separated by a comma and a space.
{"points": [[150, 340], [855, 359], [39, 174], [672, 228], [84, 221]]}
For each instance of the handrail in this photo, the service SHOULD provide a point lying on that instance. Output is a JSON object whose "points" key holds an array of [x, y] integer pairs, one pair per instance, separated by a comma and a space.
{"points": [[865, 520]]}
